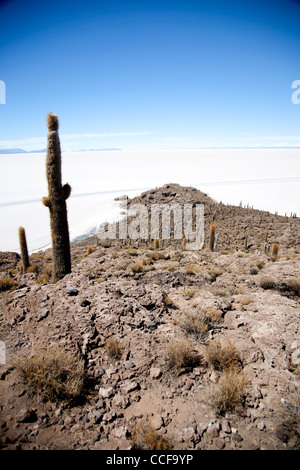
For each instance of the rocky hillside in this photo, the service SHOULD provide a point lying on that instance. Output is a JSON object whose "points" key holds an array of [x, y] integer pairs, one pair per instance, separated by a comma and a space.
{"points": [[148, 346]]}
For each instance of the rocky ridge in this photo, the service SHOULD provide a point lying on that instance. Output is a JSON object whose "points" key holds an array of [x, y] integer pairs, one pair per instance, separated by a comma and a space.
{"points": [[106, 297]]}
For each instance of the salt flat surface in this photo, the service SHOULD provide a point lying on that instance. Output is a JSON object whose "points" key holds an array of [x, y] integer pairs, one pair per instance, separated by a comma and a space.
{"points": [[267, 179]]}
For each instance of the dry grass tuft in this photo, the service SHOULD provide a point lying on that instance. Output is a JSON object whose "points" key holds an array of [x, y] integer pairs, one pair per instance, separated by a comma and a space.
{"points": [[222, 357], [53, 374], [294, 286], [267, 282], [146, 438], [113, 348], [180, 354], [287, 416], [137, 268], [228, 393], [6, 283], [194, 324]]}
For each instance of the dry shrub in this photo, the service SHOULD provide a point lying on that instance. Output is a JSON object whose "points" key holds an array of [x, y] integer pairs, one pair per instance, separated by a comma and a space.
{"points": [[132, 251], [113, 348], [189, 293], [267, 282], [43, 279], [89, 250], [54, 374], [260, 263], [31, 269], [294, 286], [146, 438], [200, 322], [228, 393], [194, 324], [246, 301], [287, 416], [180, 354], [137, 268], [157, 255], [213, 273], [222, 357], [6, 283], [168, 302]]}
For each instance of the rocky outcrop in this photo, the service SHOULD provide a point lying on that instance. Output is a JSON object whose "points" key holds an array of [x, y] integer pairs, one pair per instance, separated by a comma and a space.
{"points": [[103, 299]]}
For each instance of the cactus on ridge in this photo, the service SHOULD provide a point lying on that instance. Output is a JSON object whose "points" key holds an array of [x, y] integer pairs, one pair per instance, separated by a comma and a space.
{"points": [[56, 202]]}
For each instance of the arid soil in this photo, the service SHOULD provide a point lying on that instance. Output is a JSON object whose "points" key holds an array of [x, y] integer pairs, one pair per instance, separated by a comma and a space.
{"points": [[159, 330]]}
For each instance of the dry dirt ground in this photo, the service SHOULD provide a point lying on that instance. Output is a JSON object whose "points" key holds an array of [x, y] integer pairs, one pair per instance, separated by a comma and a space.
{"points": [[182, 350]]}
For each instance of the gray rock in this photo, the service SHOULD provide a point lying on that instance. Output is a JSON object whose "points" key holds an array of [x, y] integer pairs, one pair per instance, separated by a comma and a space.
{"points": [[26, 415], [71, 291], [155, 373], [43, 314]]}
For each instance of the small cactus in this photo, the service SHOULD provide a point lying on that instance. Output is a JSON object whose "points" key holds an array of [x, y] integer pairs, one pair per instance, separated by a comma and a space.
{"points": [[212, 237], [56, 202], [246, 241], [24, 250], [275, 248]]}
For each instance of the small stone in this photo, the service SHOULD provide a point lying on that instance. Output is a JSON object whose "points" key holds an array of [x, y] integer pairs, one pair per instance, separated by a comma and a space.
{"points": [[189, 433], [157, 422], [96, 437], [237, 437], [129, 365], [282, 435], [120, 401], [212, 431], [188, 384], [260, 425], [131, 387], [84, 303], [296, 357], [26, 415], [120, 432], [155, 373], [106, 392], [71, 291], [96, 417], [213, 377], [43, 314], [226, 426], [220, 444]]}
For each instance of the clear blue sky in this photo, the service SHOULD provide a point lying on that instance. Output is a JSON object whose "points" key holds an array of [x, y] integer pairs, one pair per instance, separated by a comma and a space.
{"points": [[152, 74]]}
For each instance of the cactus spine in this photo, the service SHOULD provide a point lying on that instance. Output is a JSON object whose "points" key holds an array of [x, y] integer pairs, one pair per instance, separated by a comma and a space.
{"points": [[56, 202], [24, 250], [212, 237]]}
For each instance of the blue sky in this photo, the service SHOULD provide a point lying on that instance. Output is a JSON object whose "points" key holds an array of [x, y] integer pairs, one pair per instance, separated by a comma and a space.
{"points": [[150, 74]]}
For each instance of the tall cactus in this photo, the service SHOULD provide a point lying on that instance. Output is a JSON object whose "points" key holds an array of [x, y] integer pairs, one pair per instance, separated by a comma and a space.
{"points": [[24, 250], [56, 202], [211, 243]]}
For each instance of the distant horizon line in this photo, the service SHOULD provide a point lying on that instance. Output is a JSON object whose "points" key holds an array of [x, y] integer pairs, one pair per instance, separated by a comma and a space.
{"points": [[12, 151]]}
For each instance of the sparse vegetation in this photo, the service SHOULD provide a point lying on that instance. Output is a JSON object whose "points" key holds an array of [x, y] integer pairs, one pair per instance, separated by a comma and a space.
{"points": [[6, 283], [287, 417], [180, 354], [146, 438], [54, 374], [222, 357], [227, 393], [114, 348], [267, 282]]}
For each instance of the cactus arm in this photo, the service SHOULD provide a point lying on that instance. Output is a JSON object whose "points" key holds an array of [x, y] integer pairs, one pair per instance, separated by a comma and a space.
{"points": [[66, 190]]}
